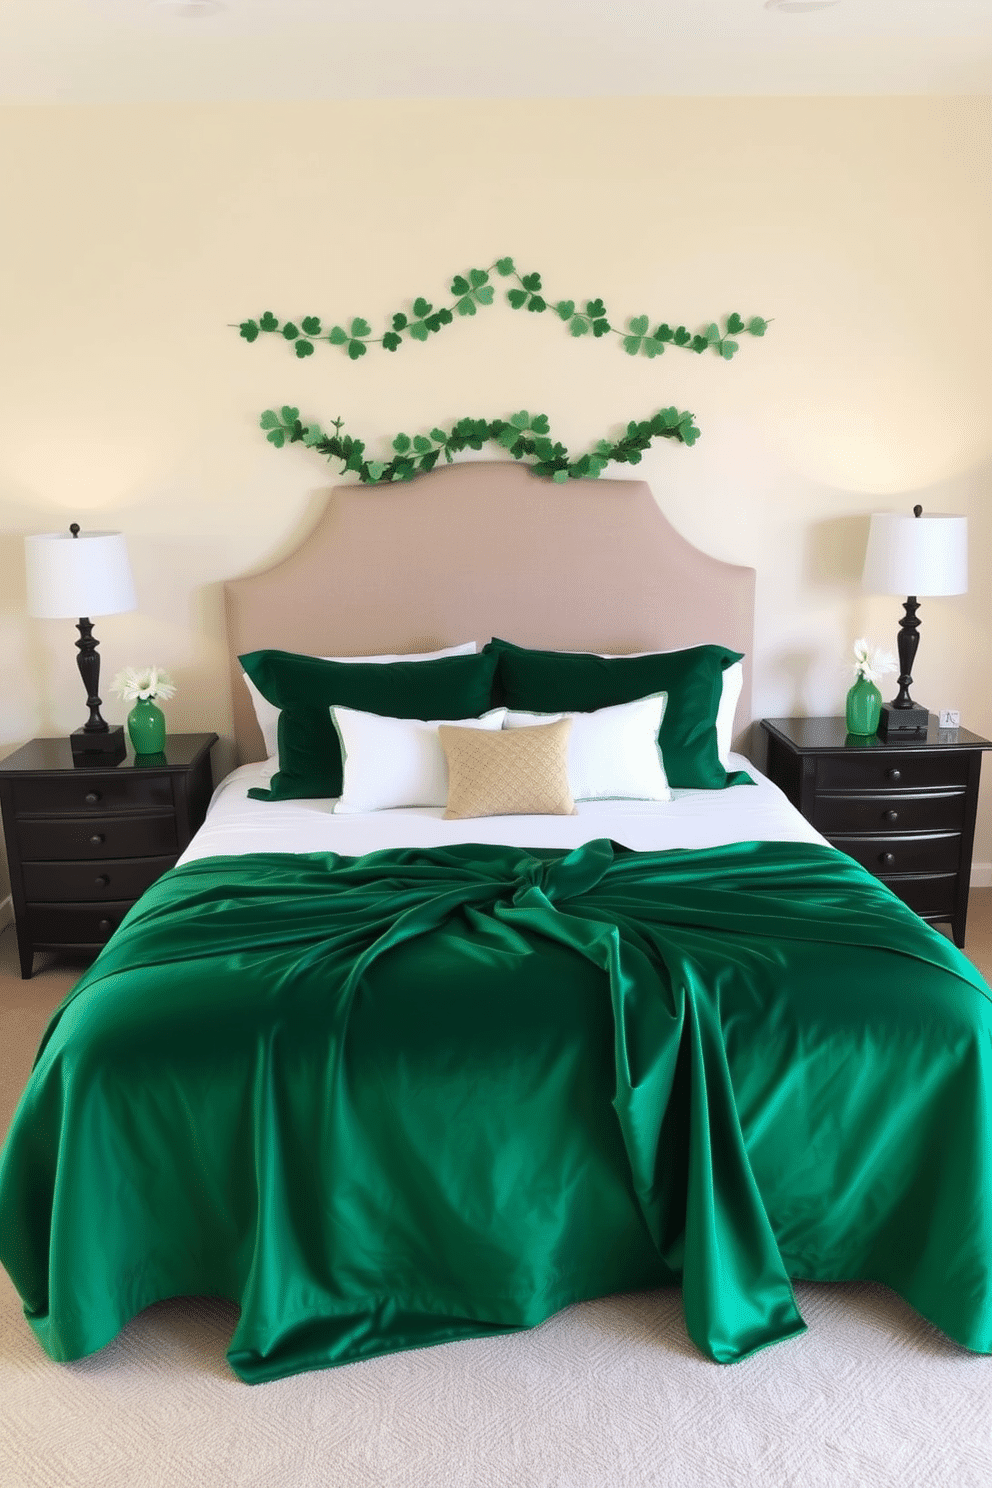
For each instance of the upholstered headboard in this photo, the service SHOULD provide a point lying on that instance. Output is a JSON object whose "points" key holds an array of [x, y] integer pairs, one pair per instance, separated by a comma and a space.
{"points": [[481, 549]]}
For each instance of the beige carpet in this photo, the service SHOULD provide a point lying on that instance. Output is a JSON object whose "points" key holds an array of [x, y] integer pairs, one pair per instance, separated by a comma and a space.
{"points": [[608, 1394]]}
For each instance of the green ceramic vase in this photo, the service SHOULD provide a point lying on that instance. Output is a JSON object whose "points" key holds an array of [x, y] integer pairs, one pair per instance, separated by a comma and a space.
{"points": [[864, 708], [146, 726]]}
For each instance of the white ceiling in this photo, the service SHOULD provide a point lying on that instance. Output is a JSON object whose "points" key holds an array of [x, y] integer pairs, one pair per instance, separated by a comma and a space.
{"points": [[108, 51]]}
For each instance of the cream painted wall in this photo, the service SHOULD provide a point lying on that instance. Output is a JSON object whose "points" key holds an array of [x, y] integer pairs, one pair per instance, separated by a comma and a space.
{"points": [[135, 235]]}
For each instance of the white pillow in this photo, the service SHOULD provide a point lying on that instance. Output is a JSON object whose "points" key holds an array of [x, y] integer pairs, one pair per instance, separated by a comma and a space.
{"points": [[733, 681], [613, 753], [392, 762], [268, 714]]}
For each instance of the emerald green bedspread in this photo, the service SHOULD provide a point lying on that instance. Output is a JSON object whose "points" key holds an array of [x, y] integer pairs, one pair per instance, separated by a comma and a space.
{"points": [[431, 1094]]}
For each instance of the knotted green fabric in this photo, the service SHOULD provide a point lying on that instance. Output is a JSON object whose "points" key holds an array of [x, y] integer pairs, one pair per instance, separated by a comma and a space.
{"points": [[432, 1094]]}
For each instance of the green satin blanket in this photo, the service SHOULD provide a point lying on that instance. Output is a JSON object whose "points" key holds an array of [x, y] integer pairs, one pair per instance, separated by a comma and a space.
{"points": [[423, 1095]]}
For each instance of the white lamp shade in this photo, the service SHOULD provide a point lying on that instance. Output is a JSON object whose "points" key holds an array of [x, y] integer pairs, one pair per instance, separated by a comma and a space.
{"points": [[69, 577], [916, 555]]}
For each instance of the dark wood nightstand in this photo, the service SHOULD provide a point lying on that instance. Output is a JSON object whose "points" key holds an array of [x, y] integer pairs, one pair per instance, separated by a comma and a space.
{"points": [[904, 809], [85, 840]]}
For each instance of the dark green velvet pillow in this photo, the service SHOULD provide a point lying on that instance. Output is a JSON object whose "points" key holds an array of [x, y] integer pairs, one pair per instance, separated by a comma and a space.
{"points": [[303, 688], [562, 681]]}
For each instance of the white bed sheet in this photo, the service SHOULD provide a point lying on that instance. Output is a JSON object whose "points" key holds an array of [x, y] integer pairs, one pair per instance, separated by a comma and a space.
{"points": [[693, 818]]}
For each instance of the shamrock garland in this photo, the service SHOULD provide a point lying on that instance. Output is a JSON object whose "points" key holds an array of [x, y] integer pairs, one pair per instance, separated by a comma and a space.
{"points": [[472, 290], [521, 435]]}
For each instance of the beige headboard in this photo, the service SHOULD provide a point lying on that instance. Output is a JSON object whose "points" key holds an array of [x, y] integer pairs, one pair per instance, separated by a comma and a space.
{"points": [[481, 549]]}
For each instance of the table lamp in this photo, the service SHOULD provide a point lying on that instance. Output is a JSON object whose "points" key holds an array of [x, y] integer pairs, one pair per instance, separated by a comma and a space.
{"points": [[913, 555], [81, 574]]}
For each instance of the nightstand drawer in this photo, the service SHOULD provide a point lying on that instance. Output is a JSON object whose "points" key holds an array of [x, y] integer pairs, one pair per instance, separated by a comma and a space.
{"points": [[930, 852], [109, 879], [60, 795], [907, 812], [931, 895], [871, 770], [75, 924], [73, 838]]}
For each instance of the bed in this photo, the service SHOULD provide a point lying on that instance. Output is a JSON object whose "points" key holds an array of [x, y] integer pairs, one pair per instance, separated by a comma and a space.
{"points": [[395, 1077]]}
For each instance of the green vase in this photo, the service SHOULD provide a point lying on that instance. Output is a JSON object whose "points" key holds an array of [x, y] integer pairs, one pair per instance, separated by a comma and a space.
{"points": [[146, 726], [864, 708]]}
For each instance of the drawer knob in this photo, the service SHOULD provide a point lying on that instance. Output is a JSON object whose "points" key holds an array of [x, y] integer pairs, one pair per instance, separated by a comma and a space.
{"points": [[887, 859], [92, 797], [102, 880], [105, 926], [96, 839], [893, 773], [890, 815]]}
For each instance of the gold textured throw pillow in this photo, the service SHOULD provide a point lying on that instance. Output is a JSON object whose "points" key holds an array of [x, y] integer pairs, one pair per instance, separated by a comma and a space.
{"points": [[518, 772]]}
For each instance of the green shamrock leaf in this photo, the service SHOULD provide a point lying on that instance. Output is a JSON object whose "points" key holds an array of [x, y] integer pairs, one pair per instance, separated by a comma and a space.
{"points": [[277, 437], [540, 424], [682, 337], [439, 436], [664, 333], [422, 308], [484, 294], [595, 309], [699, 343], [579, 325], [734, 324], [360, 327], [356, 349], [390, 341], [268, 322], [504, 266], [531, 282], [639, 325], [444, 317], [466, 306], [399, 321], [477, 278], [418, 331], [652, 346], [459, 286], [337, 335], [312, 435], [756, 326], [520, 420], [566, 309], [249, 330], [269, 419], [536, 303], [727, 349], [632, 345], [508, 438], [290, 331], [311, 325], [304, 348], [517, 297], [401, 443], [712, 334], [289, 415], [420, 443], [600, 328], [375, 470]]}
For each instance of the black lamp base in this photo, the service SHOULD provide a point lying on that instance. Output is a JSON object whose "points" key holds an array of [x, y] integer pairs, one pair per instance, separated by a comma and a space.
{"points": [[99, 746], [899, 721]]}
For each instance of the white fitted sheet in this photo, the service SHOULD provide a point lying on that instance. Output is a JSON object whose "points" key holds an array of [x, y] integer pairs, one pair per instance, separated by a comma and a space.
{"points": [[693, 818]]}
